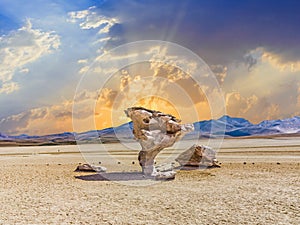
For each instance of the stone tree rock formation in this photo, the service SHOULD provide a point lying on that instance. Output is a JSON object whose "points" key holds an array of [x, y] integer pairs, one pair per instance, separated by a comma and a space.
{"points": [[198, 155], [155, 131]]}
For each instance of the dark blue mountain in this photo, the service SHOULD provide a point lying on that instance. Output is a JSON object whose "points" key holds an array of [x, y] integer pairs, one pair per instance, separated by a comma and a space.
{"points": [[122, 132], [3, 136], [235, 122]]}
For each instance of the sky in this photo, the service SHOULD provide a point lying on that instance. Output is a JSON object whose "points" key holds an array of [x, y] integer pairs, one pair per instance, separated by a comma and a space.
{"points": [[47, 48]]}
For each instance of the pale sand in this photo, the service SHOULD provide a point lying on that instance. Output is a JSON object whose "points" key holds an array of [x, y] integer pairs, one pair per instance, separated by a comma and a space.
{"points": [[40, 188]]}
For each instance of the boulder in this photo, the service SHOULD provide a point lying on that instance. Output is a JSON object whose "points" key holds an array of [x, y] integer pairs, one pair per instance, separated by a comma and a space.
{"points": [[198, 155]]}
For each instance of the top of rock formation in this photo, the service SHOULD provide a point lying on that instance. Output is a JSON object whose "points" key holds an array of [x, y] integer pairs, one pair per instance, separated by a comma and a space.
{"points": [[151, 120]]}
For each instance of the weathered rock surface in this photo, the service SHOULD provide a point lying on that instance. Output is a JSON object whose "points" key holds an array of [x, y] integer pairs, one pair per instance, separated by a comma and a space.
{"points": [[155, 131], [198, 155]]}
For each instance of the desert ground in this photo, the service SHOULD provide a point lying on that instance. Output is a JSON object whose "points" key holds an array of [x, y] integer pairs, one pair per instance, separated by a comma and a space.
{"points": [[258, 183]]}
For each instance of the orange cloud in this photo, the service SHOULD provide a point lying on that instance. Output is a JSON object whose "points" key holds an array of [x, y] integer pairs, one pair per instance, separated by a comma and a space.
{"points": [[45, 120], [252, 107], [106, 98], [167, 89]]}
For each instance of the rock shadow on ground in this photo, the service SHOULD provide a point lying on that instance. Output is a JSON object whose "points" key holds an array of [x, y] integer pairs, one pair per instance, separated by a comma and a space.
{"points": [[115, 176]]}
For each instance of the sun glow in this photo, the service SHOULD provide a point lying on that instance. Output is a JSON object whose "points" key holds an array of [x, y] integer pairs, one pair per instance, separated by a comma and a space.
{"points": [[159, 104], [110, 117]]}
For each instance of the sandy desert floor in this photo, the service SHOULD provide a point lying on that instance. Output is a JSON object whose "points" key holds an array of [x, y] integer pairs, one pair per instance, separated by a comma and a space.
{"points": [[258, 183]]}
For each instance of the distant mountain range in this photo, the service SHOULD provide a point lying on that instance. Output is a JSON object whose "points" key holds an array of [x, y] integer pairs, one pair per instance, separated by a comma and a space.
{"points": [[226, 125], [240, 127]]}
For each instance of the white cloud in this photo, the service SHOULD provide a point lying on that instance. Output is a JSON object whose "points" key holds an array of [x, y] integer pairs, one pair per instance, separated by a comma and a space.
{"points": [[24, 70], [8, 88], [84, 69], [90, 19], [20, 48], [82, 61]]}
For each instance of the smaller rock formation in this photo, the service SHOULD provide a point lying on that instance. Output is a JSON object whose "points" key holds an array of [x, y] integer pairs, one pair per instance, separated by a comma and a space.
{"points": [[198, 155], [90, 168], [155, 131]]}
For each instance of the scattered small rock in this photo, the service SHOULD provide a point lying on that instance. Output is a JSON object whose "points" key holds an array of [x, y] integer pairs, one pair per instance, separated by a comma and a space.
{"points": [[244, 163], [89, 168], [165, 167]]}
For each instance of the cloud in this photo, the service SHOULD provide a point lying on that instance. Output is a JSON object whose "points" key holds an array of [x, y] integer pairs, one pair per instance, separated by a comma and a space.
{"points": [[43, 120], [90, 19], [85, 95], [239, 105], [279, 63], [172, 73], [261, 55], [220, 71], [297, 112], [252, 57], [82, 61], [46, 77], [20, 48], [144, 84], [8, 88], [252, 47], [253, 108], [78, 114], [269, 90], [107, 97], [217, 32], [157, 75], [55, 118]]}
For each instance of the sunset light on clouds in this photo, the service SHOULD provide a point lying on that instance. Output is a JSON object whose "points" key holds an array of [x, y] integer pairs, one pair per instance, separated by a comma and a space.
{"points": [[47, 47]]}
